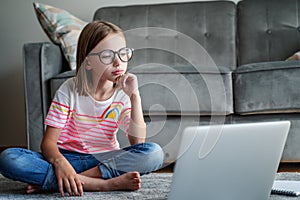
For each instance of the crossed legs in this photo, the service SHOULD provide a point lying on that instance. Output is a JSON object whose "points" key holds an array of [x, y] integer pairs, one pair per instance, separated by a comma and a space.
{"points": [[117, 170]]}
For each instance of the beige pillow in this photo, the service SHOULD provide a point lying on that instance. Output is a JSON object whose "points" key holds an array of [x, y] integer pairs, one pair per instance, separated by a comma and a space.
{"points": [[295, 56], [62, 28]]}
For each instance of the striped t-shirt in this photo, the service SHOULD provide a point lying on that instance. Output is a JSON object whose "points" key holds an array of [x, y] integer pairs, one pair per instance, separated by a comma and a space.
{"points": [[87, 125]]}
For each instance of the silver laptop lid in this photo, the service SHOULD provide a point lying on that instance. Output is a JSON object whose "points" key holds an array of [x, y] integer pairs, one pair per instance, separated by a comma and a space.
{"points": [[228, 162]]}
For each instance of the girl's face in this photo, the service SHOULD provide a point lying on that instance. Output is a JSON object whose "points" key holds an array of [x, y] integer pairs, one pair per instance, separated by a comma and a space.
{"points": [[109, 71]]}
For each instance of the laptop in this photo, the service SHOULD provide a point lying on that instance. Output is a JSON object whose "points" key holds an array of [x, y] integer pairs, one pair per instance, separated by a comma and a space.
{"points": [[228, 162]]}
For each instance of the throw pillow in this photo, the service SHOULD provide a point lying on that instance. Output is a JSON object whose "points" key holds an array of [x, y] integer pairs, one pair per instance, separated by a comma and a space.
{"points": [[62, 28]]}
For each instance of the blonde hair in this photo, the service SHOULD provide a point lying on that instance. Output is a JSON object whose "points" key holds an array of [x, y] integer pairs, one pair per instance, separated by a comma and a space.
{"points": [[90, 36]]}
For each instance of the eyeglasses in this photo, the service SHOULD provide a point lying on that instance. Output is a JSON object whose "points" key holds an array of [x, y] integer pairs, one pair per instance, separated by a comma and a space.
{"points": [[108, 56]]}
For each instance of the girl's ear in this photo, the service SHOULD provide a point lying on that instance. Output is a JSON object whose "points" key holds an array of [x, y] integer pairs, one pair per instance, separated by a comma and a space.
{"points": [[87, 64]]}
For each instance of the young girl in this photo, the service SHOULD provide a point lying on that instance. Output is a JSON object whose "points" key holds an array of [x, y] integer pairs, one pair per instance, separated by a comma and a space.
{"points": [[80, 151]]}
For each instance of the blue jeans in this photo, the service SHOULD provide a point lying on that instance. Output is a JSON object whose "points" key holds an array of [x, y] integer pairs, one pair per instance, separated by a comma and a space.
{"points": [[32, 167]]}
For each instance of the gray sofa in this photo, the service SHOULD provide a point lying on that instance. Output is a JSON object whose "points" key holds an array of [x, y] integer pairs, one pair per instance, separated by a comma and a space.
{"points": [[197, 63]]}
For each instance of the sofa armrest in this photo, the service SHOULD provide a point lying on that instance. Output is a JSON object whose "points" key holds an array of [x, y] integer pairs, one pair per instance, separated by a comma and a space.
{"points": [[42, 61]]}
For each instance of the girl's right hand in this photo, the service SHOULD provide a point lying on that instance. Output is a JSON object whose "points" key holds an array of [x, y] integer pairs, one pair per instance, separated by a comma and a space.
{"points": [[128, 83], [67, 178]]}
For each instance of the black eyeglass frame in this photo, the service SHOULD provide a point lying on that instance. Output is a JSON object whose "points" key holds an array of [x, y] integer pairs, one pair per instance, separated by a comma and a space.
{"points": [[114, 53]]}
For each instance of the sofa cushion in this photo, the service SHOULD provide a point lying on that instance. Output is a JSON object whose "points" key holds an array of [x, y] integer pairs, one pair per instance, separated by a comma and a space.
{"points": [[56, 81], [170, 33], [62, 28], [268, 30], [184, 90], [269, 87]]}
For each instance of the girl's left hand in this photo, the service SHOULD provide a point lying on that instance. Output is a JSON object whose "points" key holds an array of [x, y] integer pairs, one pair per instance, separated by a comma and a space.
{"points": [[128, 82]]}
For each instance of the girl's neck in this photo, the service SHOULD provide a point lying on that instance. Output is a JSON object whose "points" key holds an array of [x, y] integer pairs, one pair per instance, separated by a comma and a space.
{"points": [[104, 91]]}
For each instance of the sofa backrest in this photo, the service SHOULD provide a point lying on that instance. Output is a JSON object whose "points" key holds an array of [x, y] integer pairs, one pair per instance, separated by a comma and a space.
{"points": [[268, 30], [210, 24]]}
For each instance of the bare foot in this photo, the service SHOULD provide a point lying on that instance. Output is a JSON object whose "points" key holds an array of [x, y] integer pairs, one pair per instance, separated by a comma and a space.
{"points": [[129, 181], [33, 189]]}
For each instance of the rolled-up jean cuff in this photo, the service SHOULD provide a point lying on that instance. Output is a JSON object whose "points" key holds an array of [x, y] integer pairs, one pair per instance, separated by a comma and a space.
{"points": [[105, 173], [50, 182]]}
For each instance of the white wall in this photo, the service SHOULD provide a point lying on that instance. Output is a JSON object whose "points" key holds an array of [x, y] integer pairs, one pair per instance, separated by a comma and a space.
{"points": [[18, 26]]}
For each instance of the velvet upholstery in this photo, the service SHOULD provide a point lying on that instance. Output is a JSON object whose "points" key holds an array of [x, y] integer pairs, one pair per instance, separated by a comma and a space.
{"points": [[209, 93], [56, 81], [198, 20], [268, 30], [268, 87], [42, 61]]}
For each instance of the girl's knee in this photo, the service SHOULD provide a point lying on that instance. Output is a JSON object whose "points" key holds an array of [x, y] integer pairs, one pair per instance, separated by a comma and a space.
{"points": [[12, 159], [23, 165], [155, 153], [8, 158], [8, 154]]}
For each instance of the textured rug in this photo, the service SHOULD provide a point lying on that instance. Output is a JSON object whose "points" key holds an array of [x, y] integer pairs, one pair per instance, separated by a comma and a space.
{"points": [[155, 186]]}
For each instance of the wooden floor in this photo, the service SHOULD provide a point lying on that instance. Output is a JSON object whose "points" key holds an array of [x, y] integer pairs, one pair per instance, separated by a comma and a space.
{"points": [[283, 167], [167, 169], [289, 167]]}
